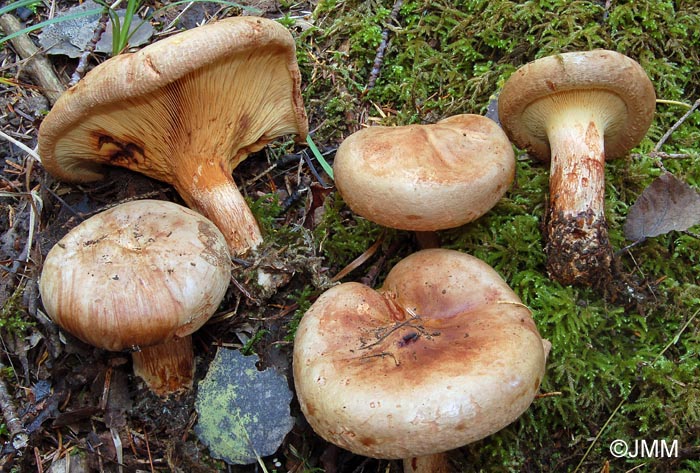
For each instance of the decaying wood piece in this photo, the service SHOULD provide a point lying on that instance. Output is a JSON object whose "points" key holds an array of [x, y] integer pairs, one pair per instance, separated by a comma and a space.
{"points": [[36, 64]]}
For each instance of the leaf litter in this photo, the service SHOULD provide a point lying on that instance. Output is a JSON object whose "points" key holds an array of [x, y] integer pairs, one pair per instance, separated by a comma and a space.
{"points": [[668, 204]]}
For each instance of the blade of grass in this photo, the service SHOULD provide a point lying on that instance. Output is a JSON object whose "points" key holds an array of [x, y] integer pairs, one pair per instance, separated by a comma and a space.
{"points": [[15, 5], [58, 19], [319, 157]]}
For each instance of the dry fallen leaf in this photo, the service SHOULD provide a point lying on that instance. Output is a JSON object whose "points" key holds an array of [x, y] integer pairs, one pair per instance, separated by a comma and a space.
{"points": [[71, 36], [667, 204]]}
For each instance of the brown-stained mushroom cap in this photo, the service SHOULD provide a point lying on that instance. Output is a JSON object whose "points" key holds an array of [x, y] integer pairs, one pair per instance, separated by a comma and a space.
{"points": [[185, 110], [442, 355], [425, 177], [601, 81], [139, 275]]}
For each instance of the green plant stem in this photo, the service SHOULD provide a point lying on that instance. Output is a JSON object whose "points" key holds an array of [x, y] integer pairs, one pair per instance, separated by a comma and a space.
{"points": [[319, 157], [673, 102]]}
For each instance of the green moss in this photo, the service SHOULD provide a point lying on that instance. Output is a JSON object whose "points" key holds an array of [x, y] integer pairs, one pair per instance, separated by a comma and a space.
{"points": [[303, 299], [13, 316], [450, 57], [342, 235]]}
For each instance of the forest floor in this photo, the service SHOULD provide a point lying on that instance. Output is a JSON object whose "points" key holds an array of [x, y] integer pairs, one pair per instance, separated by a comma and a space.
{"points": [[622, 367]]}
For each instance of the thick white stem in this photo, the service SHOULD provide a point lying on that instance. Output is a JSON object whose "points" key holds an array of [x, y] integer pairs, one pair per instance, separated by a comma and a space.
{"points": [[578, 249], [577, 173]]}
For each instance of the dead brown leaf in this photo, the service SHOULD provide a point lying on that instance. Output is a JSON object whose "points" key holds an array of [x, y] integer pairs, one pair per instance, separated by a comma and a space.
{"points": [[667, 204]]}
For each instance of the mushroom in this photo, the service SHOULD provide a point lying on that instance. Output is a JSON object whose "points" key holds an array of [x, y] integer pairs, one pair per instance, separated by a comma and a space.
{"points": [[185, 110], [444, 354], [578, 109], [425, 177], [140, 276]]}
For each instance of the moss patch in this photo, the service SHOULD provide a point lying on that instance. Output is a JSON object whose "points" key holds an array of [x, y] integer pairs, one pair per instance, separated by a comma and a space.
{"points": [[640, 353]]}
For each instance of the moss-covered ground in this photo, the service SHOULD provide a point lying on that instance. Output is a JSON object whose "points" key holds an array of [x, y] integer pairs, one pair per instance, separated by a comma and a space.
{"points": [[624, 368]]}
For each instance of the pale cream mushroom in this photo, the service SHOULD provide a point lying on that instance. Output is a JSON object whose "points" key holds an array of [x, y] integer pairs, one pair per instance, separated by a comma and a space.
{"points": [[185, 110], [141, 276], [425, 177], [578, 109], [444, 354]]}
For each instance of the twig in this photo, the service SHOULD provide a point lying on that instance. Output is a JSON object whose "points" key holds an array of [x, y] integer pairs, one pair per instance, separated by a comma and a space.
{"points": [[675, 126], [245, 291], [20, 439], [148, 449], [379, 58], [360, 260], [20, 145], [37, 65], [662, 155], [307, 160], [673, 102], [89, 48], [383, 354], [118, 448], [382, 336]]}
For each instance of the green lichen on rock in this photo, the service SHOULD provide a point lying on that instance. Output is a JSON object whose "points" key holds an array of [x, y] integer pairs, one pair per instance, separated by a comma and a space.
{"points": [[243, 413]]}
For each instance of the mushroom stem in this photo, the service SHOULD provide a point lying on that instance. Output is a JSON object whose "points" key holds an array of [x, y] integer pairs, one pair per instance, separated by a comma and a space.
{"points": [[436, 463], [211, 190], [166, 368], [427, 239], [578, 249]]}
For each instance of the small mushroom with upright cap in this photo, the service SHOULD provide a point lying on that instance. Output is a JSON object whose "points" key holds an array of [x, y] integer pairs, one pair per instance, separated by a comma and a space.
{"points": [[444, 354], [425, 177], [141, 276], [185, 110], [576, 110]]}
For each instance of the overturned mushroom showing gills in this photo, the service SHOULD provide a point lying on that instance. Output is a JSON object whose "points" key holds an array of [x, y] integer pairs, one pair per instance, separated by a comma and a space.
{"points": [[141, 276], [444, 354], [578, 109], [185, 110], [425, 177]]}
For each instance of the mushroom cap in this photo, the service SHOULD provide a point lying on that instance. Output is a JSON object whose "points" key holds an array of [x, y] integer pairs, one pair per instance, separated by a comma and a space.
{"points": [[219, 91], [565, 80], [425, 177], [139, 274], [442, 355]]}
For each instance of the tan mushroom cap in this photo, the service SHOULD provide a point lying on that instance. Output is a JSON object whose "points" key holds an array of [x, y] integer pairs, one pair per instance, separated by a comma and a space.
{"points": [[442, 355], [185, 110], [425, 177], [606, 82], [139, 274]]}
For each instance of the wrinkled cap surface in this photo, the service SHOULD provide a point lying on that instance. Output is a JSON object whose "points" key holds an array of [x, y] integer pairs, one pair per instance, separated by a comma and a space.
{"points": [[216, 92], [425, 177], [138, 274], [578, 79], [443, 355]]}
